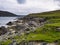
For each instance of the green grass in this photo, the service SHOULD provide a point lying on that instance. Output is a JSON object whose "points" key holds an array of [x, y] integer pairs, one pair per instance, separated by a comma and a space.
{"points": [[54, 24], [56, 20], [19, 38], [7, 42], [50, 14], [46, 34]]}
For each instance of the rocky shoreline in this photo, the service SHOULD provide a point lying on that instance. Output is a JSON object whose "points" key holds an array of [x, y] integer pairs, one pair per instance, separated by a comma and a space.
{"points": [[21, 26]]}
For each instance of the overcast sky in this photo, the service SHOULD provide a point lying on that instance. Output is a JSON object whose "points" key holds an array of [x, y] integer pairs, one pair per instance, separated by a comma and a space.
{"points": [[23, 7]]}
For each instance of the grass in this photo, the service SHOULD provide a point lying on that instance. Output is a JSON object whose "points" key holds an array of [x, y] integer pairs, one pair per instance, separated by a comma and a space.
{"points": [[19, 38], [56, 20], [45, 33], [48, 35], [54, 24], [55, 13], [5, 42]]}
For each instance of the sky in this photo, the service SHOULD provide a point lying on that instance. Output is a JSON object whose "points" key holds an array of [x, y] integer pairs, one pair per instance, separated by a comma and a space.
{"points": [[24, 7]]}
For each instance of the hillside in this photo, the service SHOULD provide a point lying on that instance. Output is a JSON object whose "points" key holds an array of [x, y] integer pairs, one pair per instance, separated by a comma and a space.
{"points": [[5, 13], [45, 14], [50, 32], [46, 30]]}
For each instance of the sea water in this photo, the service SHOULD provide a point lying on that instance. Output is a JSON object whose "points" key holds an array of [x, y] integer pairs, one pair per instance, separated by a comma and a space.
{"points": [[5, 20]]}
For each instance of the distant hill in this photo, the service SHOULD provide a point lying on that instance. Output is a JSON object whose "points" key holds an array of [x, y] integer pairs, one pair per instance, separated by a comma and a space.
{"points": [[49, 12], [5, 13], [45, 14]]}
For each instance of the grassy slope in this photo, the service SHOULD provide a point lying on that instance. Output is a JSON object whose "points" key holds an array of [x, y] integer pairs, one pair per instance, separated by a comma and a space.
{"points": [[46, 33], [46, 14]]}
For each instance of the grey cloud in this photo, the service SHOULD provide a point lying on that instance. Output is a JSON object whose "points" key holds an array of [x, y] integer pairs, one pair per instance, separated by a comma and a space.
{"points": [[29, 6], [57, 0], [21, 1]]}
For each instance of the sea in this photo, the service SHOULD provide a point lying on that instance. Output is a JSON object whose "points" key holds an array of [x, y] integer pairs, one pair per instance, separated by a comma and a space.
{"points": [[5, 20]]}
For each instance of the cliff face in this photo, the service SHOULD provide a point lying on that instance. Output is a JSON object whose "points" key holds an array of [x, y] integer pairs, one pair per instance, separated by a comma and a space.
{"points": [[5, 13]]}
